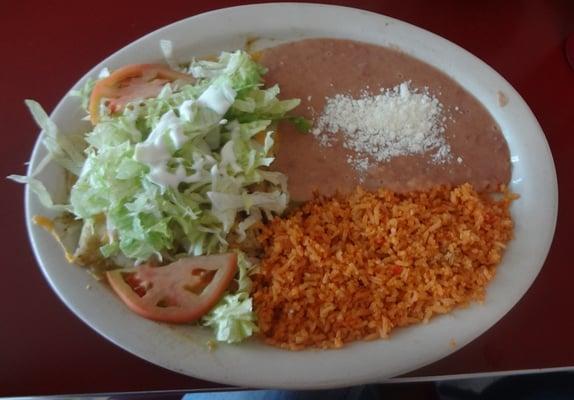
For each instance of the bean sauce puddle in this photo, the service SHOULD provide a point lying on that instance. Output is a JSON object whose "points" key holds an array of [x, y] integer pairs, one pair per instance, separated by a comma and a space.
{"points": [[316, 70]]}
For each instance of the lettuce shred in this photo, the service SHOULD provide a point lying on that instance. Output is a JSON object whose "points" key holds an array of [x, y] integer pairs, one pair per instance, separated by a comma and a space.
{"points": [[233, 319]]}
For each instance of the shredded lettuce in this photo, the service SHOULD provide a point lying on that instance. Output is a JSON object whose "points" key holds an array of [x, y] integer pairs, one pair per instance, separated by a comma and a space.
{"points": [[166, 47], [65, 150], [84, 93], [233, 319], [40, 190], [178, 172], [173, 174]]}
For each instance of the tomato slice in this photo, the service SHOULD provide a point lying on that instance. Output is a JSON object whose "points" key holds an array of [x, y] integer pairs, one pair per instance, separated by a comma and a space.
{"points": [[180, 292], [129, 83]]}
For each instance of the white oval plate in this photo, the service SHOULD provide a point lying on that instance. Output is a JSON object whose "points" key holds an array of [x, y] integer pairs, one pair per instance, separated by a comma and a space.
{"points": [[183, 349]]}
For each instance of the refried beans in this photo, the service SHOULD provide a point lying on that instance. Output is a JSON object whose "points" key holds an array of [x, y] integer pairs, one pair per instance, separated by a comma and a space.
{"points": [[315, 69]]}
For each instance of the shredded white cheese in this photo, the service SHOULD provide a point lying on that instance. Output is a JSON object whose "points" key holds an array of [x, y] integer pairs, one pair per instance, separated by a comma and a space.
{"points": [[398, 121]]}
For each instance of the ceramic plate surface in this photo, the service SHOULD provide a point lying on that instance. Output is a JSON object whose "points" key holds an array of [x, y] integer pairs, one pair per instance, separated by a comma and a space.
{"points": [[183, 348]]}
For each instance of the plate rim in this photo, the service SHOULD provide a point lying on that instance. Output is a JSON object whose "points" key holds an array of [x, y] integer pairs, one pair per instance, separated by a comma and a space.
{"points": [[233, 380]]}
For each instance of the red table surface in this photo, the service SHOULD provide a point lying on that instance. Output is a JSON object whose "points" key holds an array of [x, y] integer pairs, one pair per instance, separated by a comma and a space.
{"points": [[48, 45]]}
